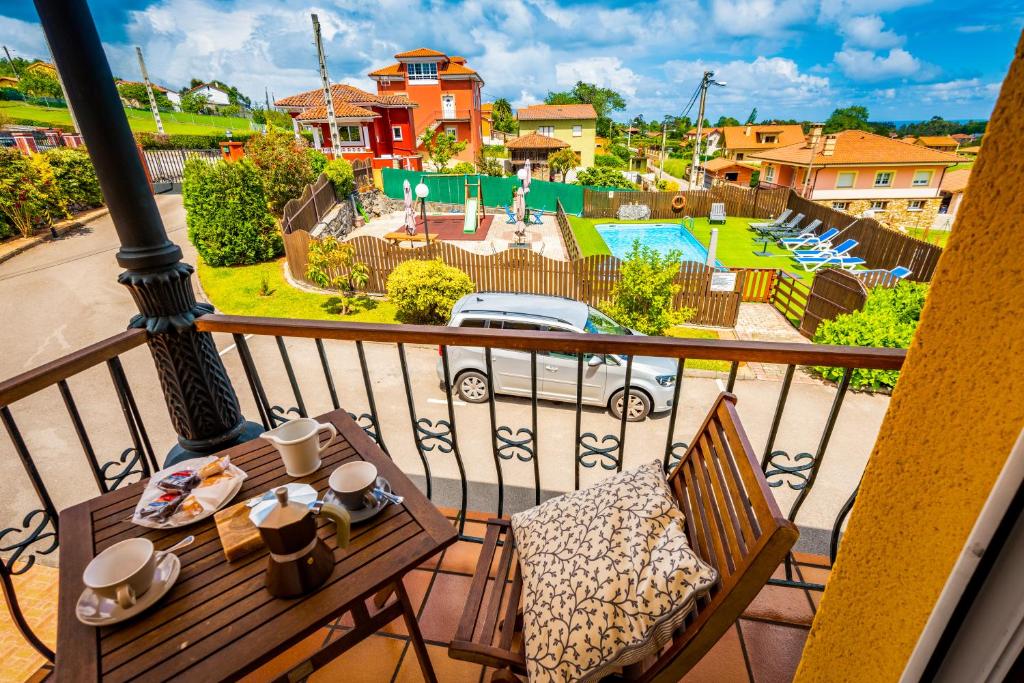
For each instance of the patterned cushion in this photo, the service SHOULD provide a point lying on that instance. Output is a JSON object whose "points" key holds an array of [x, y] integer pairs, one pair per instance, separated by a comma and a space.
{"points": [[608, 574]]}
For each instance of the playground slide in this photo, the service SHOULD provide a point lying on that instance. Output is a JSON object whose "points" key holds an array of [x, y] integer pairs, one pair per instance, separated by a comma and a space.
{"points": [[469, 224]]}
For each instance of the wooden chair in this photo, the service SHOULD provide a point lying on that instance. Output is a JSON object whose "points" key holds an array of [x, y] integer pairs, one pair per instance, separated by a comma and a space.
{"points": [[732, 521]]}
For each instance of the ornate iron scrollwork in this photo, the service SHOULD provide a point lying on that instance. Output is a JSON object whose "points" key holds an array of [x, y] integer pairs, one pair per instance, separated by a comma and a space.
{"points": [[510, 447], [606, 456], [34, 528], [433, 434], [790, 470], [675, 455], [127, 468], [278, 415], [368, 424]]}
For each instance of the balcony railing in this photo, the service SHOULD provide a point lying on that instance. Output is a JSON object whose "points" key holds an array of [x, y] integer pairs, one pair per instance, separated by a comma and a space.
{"points": [[507, 455]]}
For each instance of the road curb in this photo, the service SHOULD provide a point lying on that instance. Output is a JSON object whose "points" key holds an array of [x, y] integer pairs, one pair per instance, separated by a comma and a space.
{"points": [[61, 228]]}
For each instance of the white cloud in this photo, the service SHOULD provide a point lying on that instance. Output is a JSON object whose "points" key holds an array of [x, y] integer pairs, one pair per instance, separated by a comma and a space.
{"points": [[607, 72], [865, 65], [758, 18], [23, 39], [975, 28], [869, 32], [840, 10]]}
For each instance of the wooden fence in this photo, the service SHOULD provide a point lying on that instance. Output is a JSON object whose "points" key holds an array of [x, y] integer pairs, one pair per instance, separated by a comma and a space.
{"points": [[572, 247], [757, 284], [835, 292], [588, 279], [304, 213], [362, 173], [879, 246], [168, 165], [739, 201], [790, 297]]}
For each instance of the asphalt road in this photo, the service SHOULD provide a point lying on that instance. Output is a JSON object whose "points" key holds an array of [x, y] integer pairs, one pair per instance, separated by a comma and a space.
{"points": [[64, 295]]}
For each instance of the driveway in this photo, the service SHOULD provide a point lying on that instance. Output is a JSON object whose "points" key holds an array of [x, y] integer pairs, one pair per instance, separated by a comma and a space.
{"points": [[64, 295]]}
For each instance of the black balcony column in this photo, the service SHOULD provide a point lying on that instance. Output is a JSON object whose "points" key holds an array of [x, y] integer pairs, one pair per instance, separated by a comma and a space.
{"points": [[200, 399]]}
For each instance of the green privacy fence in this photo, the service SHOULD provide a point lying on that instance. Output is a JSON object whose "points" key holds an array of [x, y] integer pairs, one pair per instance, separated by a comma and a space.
{"points": [[450, 189]]}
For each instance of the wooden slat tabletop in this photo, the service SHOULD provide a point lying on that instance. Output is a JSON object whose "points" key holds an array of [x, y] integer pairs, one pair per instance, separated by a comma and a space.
{"points": [[218, 621]]}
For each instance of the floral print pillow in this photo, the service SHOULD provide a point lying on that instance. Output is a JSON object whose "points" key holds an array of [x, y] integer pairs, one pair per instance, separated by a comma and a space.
{"points": [[608, 574]]}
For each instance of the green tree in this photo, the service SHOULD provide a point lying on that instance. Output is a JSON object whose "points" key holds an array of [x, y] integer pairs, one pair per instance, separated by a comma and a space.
{"points": [[604, 100], [317, 161], [19, 62], [602, 176], [726, 121], [501, 116], [226, 213], [283, 165], [136, 93], [39, 83], [194, 102], [562, 161], [441, 147], [848, 118], [332, 264], [489, 166], [643, 297], [340, 173]]}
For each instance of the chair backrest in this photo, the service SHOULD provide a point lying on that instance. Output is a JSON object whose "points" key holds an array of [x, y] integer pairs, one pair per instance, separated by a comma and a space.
{"points": [[796, 221], [781, 218], [811, 227], [828, 234], [718, 209], [844, 247], [733, 523], [901, 272]]}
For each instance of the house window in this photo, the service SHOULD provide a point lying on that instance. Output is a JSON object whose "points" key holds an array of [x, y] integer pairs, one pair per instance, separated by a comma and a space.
{"points": [[453, 131], [732, 176], [846, 179], [922, 178], [350, 134], [422, 72], [840, 206], [546, 130], [577, 131], [769, 174], [769, 140], [883, 179], [739, 157], [396, 132], [915, 205], [879, 206]]}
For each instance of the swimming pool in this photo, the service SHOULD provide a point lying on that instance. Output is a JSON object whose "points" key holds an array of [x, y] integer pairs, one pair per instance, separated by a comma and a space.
{"points": [[662, 237]]}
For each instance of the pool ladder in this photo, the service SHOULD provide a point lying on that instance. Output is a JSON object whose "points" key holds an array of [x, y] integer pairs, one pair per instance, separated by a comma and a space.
{"points": [[687, 222]]}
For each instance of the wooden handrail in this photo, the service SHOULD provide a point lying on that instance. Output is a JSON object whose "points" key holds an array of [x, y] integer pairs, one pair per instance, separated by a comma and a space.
{"points": [[566, 342], [31, 381]]}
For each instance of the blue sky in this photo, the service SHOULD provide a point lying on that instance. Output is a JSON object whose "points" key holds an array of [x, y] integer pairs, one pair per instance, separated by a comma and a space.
{"points": [[903, 59]]}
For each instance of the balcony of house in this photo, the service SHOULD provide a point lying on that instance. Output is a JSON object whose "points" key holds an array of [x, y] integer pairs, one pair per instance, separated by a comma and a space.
{"points": [[95, 422]]}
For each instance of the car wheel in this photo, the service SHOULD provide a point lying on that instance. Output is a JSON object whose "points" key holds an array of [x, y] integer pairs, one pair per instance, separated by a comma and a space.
{"points": [[639, 405], [472, 387]]}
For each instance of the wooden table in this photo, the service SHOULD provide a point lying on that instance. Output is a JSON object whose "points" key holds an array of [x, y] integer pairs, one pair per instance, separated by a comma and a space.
{"points": [[218, 621], [400, 236]]}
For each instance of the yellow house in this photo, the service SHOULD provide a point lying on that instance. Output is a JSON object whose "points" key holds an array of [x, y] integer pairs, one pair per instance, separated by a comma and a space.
{"points": [[42, 67], [486, 120], [573, 124]]}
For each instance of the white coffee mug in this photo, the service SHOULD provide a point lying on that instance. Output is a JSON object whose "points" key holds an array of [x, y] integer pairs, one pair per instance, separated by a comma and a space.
{"points": [[124, 571], [298, 442]]}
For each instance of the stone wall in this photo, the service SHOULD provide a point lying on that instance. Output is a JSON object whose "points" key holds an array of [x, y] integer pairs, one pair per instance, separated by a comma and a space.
{"points": [[897, 213]]}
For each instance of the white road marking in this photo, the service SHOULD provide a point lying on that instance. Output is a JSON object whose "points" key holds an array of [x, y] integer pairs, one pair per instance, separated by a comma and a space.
{"points": [[231, 347], [455, 402], [720, 383]]}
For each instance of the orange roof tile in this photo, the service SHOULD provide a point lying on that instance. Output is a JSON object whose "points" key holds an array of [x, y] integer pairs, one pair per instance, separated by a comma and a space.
{"points": [[535, 141], [550, 112], [736, 137], [720, 163], [420, 52], [937, 141], [447, 68], [342, 92], [342, 110], [955, 181], [858, 147], [389, 70]]}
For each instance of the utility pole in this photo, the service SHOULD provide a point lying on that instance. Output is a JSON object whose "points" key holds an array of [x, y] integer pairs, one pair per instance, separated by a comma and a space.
{"points": [[816, 130], [11, 61], [707, 80], [332, 121], [661, 166], [266, 97], [149, 91], [63, 90]]}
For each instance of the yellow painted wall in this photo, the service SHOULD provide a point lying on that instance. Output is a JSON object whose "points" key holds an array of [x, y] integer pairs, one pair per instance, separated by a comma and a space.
{"points": [[954, 416], [585, 144]]}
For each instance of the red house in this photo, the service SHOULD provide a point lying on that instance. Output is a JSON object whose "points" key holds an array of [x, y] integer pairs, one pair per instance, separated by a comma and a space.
{"points": [[447, 91], [375, 127]]}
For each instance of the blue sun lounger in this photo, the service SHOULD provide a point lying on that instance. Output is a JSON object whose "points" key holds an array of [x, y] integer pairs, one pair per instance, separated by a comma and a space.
{"points": [[813, 260], [812, 241]]}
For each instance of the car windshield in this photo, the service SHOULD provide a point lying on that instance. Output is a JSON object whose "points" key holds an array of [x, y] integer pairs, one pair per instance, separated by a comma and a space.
{"points": [[599, 323]]}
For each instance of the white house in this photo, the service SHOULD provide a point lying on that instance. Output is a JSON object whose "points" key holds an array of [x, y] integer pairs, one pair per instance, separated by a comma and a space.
{"points": [[215, 95]]}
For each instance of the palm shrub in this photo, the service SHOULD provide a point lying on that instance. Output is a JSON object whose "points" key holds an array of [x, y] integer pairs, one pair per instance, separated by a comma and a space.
{"points": [[339, 172], [29, 196], [332, 264], [75, 178], [425, 291], [642, 299], [562, 161], [282, 164], [888, 319], [226, 212]]}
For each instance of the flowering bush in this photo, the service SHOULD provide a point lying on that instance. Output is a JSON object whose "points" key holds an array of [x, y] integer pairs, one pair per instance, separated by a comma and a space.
{"points": [[29, 196], [282, 163]]}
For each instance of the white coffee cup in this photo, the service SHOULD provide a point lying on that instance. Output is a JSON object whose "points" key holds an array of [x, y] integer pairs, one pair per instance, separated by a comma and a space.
{"points": [[124, 571], [298, 442], [353, 482]]}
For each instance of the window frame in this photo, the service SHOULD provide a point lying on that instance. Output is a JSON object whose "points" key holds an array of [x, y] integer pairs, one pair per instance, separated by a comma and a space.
{"points": [[358, 142], [844, 207], [892, 178], [920, 205], [396, 133], [884, 205], [548, 131], [853, 183], [577, 131], [927, 183], [453, 131], [424, 71], [769, 173]]}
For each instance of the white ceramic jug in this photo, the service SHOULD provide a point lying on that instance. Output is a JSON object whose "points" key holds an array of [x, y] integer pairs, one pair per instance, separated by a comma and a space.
{"points": [[298, 442]]}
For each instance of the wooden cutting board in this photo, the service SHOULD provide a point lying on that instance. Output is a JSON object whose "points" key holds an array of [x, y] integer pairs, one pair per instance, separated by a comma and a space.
{"points": [[238, 535]]}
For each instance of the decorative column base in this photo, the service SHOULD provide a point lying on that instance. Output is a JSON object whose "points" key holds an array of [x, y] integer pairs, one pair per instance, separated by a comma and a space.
{"points": [[200, 399]]}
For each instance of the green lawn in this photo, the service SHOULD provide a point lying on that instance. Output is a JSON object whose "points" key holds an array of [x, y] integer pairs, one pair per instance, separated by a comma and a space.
{"points": [[736, 245], [235, 291], [938, 237], [141, 121], [699, 333], [966, 164], [676, 167]]}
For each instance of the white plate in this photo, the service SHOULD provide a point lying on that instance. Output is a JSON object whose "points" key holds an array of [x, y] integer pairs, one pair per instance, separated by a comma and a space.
{"points": [[239, 478], [93, 610]]}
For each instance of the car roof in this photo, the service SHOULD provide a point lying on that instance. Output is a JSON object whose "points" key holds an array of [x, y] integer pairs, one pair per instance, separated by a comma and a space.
{"points": [[534, 305]]}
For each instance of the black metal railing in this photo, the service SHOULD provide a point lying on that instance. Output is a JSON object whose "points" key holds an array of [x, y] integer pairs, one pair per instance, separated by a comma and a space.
{"points": [[306, 384]]}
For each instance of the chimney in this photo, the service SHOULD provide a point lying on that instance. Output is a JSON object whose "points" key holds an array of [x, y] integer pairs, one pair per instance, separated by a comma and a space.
{"points": [[830, 146], [746, 131]]}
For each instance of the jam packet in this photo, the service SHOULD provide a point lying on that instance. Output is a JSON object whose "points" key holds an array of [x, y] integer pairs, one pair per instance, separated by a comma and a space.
{"points": [[163, 507]]}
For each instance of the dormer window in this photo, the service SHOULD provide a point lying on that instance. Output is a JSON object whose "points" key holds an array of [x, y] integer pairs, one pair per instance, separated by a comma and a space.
{"points": [[422, 72], [767, 139]]}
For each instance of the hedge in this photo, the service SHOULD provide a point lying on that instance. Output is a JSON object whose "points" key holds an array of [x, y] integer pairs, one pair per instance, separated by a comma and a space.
{"points": [[181, 141]]}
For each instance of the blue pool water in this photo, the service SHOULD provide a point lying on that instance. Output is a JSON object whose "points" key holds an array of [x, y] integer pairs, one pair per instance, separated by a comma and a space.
{"points": [[662, 237]]}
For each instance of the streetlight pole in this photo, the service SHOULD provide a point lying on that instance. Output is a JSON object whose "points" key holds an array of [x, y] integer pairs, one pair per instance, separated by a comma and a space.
{"points": [[422, 191], [202, 403]]}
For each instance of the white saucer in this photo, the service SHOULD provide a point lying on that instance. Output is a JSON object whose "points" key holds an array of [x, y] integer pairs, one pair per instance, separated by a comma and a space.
{"points": [[93, 610]]}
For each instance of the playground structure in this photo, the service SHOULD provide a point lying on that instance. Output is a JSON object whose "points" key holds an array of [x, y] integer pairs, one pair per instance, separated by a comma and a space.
{"points": [[474, 206]]}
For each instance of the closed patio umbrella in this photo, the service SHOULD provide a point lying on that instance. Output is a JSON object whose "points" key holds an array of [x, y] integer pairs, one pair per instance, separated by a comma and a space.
{"points": [[526, 180], [410, 214], [520, 209]]}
